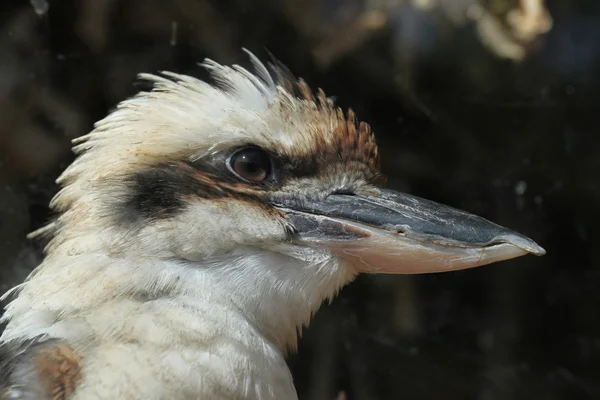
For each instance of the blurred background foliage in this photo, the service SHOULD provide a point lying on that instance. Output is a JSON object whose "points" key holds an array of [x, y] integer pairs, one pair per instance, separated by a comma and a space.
{"points": [[488, 105]]}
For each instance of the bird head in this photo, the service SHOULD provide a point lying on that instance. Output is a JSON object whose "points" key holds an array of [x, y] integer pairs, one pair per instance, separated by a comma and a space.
{"points": [[262, 182]]}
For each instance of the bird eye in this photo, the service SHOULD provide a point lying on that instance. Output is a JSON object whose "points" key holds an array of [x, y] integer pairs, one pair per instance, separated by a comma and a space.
{"points": [[251, 164]]}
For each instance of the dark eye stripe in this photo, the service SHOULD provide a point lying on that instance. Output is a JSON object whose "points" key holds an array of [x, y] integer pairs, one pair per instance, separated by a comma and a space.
{"points": [[159, 191]]}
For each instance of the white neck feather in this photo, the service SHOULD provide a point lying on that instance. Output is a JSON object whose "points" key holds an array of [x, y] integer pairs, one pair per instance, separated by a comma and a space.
{"points": [[250, 304]]}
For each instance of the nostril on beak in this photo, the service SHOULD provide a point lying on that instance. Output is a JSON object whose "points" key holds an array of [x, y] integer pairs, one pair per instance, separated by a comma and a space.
{"points": [[346, 192]]}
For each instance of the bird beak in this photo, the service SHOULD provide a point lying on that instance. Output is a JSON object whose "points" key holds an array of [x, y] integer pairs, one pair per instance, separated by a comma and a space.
{"points": [[397, 233]]}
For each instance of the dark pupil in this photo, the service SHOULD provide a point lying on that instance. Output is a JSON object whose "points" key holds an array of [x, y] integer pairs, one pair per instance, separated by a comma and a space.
{"points": [[252, 165]]}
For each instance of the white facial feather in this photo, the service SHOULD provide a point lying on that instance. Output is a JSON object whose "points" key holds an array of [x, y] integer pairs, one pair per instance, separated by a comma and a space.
{"points": [[205, 302]]}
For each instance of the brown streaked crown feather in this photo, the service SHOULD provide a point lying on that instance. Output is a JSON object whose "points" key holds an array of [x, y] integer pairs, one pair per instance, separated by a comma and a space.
{"points": [[354, 140]]}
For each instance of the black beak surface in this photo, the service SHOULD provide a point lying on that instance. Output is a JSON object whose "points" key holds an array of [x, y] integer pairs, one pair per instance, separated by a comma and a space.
{"points": [[399, 233]]}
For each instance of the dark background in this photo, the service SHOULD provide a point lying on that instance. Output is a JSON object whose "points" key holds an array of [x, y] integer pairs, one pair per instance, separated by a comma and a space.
{"points": [[485, 105]]}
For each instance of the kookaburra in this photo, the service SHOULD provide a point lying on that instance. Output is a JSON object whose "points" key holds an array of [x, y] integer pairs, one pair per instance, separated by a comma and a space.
{"points": [[200, 228]]}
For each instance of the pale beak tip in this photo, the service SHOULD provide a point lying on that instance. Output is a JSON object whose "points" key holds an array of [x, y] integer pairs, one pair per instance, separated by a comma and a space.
{"points": [[524, 243], [537, 250]]}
